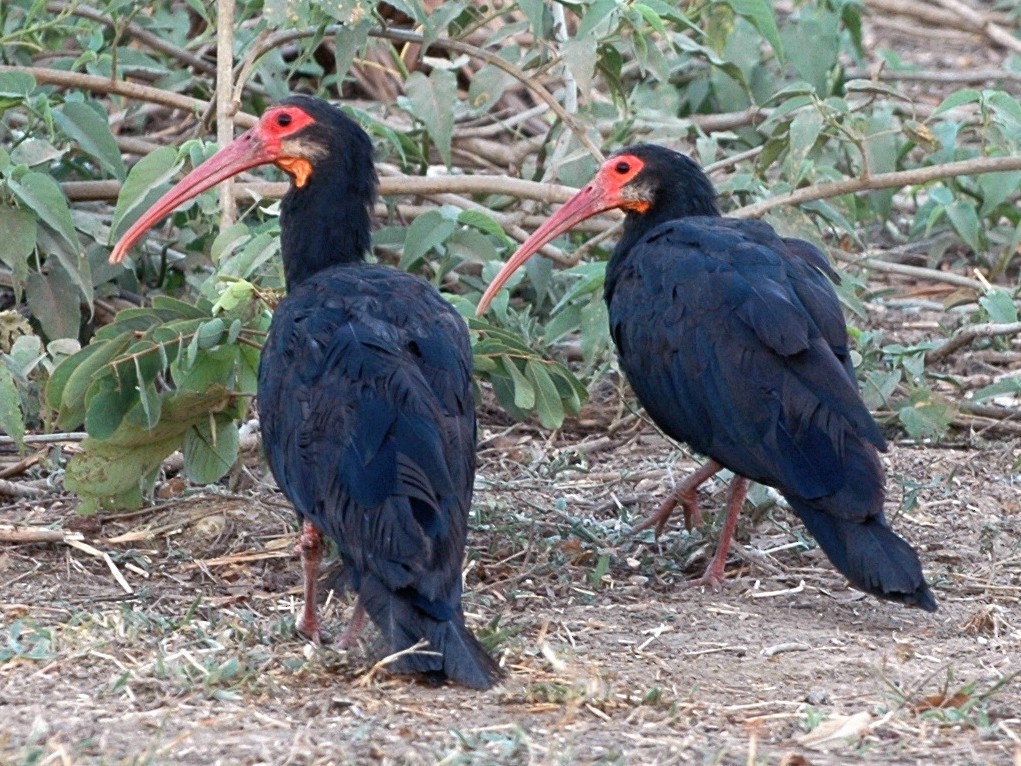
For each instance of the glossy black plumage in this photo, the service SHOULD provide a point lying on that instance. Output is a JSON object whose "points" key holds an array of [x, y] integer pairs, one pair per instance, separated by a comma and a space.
{"points": [[367, 413], [734, 342], [364, 394]]}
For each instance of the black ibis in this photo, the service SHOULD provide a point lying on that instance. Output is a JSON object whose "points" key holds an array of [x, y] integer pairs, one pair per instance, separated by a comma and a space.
{"points": [[733, 340], [365, 394]]}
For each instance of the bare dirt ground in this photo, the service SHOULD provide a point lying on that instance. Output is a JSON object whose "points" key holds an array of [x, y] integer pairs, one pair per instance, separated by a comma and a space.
{"points": [[609, 658]]}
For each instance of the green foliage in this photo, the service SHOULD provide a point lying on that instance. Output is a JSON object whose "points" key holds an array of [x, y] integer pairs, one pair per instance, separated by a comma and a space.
{"points": [[153, 379]]}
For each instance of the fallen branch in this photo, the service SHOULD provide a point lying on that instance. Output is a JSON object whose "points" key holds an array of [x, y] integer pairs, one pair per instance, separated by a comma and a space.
{"points": [[967, 334], [93, 551], [16, 535], [15, 489], [73, 436], [926, 12]]}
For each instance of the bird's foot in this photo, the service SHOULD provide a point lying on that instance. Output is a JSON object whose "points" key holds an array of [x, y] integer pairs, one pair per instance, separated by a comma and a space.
{"points": [[714, 579], [660, 517], [350, 636], [307, 625]]}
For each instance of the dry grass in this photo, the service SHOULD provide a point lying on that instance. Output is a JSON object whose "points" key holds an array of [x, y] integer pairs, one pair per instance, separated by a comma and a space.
{"points": [[608, 659]]}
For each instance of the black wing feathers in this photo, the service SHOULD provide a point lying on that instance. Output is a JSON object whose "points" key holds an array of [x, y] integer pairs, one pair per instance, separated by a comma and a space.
{"points": [[369, 428], [735, 342]]}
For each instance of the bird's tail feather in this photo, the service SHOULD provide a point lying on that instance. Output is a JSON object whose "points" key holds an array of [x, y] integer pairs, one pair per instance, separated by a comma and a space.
{"points": [[453, 653], [870, 555]]}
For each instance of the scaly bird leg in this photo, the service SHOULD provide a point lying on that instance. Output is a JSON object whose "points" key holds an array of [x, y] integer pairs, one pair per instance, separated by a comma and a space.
{"points": [[713, 576], [350, 636], [685, 493], [310, 548]]}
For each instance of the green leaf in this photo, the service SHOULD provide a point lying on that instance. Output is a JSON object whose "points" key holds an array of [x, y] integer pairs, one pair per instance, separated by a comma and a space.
{"points": [[91, 131], [11, 420], [432, 100], [999, 305], [535, 12], [579, 57], [486, 87], [1006, 386], [964, 218], [426, 232], [960, 98], [804, 132], [760, 15], [996, 188], [210, 449], [70, 381], [927, 416], [484, 223], [147, 175], [107, 404], [595, 14], [16, 85], [347, 42], [17, 244], [54, 302], [115, 472], [548, 405], [43, 196], [524, 392]]}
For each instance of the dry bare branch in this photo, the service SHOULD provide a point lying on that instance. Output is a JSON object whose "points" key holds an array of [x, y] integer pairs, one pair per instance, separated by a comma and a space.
{"points": [[967, 334], [881, 181]]}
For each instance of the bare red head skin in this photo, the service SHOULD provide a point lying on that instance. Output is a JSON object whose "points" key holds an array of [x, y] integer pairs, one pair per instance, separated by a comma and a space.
{"points": [[275, 139], [614, 186]]}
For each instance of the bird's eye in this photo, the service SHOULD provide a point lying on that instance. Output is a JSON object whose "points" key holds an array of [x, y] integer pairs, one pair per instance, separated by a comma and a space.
{"points": [[622, 168], [284, 119]]}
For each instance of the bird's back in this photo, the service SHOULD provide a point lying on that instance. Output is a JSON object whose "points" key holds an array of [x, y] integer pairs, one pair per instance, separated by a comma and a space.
{"points": [[734, 341], [368, 425], [735, 345]]}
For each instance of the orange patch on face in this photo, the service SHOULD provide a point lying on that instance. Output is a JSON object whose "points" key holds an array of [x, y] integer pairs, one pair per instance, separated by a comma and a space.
{"points": [[299, 169], [636, 205]]}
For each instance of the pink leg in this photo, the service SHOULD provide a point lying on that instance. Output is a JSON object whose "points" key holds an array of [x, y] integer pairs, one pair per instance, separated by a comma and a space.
{"points": [[347, 640], [310, 548], [714, 576], [685, 493]]}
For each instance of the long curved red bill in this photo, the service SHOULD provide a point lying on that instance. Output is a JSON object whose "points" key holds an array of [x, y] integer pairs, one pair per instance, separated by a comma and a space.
{"points": [[245, 152], [590, 201]]}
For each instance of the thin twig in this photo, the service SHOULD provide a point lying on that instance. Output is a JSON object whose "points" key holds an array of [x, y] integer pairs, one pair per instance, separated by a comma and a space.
{"points": [[389, 186], [946, 76], [928, 13], [73, 436], [980, 21], [16, 489], [392, 658], [17, 535], [142, 35], [401, 35], [967, 334], [225, 104], [93, 551], [96, 84], [881, 181], [918, 272]]}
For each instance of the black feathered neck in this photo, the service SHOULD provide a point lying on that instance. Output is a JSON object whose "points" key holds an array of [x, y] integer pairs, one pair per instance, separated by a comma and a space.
{"points": [[676, 187], [327, 221]]}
